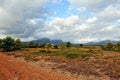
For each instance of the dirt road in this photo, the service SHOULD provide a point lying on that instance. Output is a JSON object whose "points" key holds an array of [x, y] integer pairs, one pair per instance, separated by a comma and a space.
{"points": [[11, 69]]}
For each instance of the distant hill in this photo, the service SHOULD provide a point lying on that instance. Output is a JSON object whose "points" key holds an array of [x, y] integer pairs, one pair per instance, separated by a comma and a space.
{"points": [[100, 42], [47, 40]]}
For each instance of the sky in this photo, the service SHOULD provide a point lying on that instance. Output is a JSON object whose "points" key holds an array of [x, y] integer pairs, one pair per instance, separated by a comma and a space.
{"points": [[77, 21]]}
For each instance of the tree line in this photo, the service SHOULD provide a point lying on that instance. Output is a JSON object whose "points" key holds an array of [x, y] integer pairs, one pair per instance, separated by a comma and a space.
{"points": [[111, 47], [10, 44]]}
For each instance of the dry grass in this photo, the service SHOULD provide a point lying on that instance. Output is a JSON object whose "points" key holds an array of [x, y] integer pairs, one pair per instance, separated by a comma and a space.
{"points": [[101, 65]]}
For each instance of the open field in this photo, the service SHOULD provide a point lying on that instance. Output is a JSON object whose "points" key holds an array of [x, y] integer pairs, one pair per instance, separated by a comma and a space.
{"points": [[82, 63]]}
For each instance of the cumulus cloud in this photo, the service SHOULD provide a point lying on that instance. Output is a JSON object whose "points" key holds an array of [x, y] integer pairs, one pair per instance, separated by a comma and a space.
{"points": [[102, 24], [18, 17], [28, 20], [93, 5]]}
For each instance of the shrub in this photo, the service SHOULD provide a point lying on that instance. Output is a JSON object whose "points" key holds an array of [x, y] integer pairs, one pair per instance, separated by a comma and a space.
{"points": [[72, 56], [118, 46], [1, 43], [81, 45], [85, 55], [18, 44], [43, 51], [68, 44], [109, 46], [62, 46], [56, 46], [10, 44]]}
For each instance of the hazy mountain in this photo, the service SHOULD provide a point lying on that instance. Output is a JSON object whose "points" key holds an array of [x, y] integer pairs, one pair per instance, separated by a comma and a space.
{"points": [[100, 42], [47, 40], [56, 41]]}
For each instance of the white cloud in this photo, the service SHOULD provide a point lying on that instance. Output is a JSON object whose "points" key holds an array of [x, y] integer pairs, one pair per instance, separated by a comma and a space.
{"points": [[92, 20], [94, 5], [109, 14], [17, 17], [95, 20]]}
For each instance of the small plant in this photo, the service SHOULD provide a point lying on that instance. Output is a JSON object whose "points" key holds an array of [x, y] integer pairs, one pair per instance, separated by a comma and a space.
{"points": [[72, 56], [85, 55], [81, 45], [56, 46], [43, 51], [68, 44]]}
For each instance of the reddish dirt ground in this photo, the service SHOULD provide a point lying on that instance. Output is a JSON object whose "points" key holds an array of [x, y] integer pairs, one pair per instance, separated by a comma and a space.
{"points": [[11, 69]]}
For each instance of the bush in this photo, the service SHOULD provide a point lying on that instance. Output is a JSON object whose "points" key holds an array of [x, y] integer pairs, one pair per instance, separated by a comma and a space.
{"points": [[18, 44], [109, 46], [43, 51], [68, 44], [72, 56], [56, 46], [10, 44], [81, 45], [118, 46], [1, 43], [85, 55]]}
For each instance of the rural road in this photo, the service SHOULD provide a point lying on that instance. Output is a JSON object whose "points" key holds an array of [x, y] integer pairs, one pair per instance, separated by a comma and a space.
{"points": [[11, 69]]}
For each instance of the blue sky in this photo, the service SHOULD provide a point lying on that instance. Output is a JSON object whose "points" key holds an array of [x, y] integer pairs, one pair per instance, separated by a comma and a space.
{"points": [[59, 8], [78, 21]]}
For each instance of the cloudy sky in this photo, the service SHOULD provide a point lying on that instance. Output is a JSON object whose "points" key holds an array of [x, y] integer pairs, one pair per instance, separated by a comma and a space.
{"points": [[77, 21]]}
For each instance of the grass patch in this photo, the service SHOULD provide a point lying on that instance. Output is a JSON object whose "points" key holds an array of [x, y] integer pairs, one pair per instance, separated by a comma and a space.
{"points": [[72, 53]]}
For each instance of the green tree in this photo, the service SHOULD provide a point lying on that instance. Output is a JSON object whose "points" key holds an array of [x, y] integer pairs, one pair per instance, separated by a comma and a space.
{"points": [[18, 44], [1, 43], [81, 45], [8, 44], [31, 44], [36, 45], [118, 46], [43, 44], [109, 46], [49, 45], [68, 44], [56, 46], [62, 46]]}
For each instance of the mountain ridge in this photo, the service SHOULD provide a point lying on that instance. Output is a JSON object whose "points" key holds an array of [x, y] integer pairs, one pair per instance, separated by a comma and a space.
{"points": [[47, 40]]}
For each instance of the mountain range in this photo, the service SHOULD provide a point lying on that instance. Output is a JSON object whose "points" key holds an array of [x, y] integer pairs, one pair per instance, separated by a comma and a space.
{"points": [[101, 42], [59, 41], [47, 40]]}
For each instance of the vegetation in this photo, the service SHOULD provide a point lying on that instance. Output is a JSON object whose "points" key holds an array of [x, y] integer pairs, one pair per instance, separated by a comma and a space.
{"points": [[68, 44], [1, 43], [78, 59], [62, 46], [118, 46], [49, 45], [81, 45], [10, 44], [56, 46], [111, 47]]}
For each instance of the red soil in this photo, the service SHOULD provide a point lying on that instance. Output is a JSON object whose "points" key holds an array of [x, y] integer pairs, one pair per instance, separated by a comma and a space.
{"points": [[11, 69]]}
